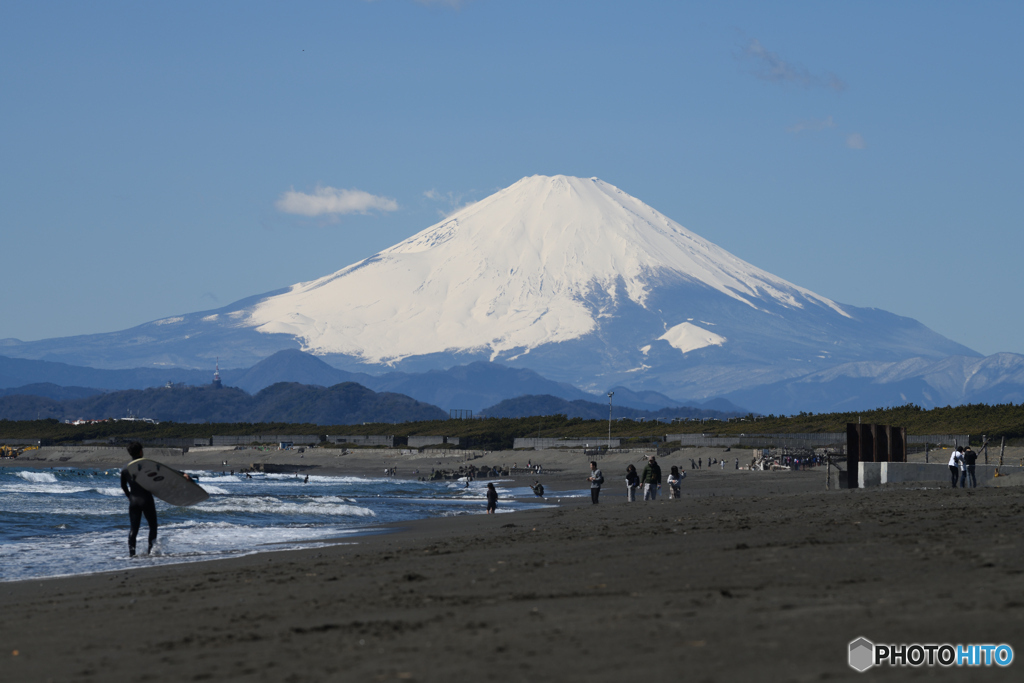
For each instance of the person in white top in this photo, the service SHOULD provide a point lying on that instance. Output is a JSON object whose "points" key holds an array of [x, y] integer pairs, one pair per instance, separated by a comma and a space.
{"points": [[955, 461], [675, 480]]}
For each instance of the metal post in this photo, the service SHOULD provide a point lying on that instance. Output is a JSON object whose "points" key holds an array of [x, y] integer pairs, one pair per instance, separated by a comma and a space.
{"points": [[926, 447]]}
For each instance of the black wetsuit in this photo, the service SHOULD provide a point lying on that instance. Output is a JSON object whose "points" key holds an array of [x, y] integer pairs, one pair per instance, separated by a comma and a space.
{"points": [[140, 502]]}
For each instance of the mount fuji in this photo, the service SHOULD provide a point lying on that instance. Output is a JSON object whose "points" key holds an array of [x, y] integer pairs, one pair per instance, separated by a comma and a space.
{"points": [[569, 277]]}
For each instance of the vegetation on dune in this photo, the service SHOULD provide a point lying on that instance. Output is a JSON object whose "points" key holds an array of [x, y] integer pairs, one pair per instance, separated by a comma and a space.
{"points": [[1006, 420]]}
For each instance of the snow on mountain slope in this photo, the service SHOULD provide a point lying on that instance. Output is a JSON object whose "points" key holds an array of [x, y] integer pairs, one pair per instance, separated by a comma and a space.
{"points": [[688, 337], [539, 262]]}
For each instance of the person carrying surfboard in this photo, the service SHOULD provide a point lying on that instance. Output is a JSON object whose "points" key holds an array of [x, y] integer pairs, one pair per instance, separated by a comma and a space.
{"points": [[141, 479], [140, 502]]}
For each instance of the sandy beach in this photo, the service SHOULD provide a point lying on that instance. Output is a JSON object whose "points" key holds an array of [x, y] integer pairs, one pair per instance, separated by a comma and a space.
{"points": [[750, 576]]}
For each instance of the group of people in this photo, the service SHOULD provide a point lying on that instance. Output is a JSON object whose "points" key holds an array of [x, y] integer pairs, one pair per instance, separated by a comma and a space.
{"points": [[961, 467], [649, 480]]}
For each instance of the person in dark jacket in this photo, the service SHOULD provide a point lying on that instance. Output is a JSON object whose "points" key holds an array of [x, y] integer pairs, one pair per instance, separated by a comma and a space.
{"points": [[140, 502], [970, 461], [651, 479], [595, 479], [632, 482], [492, 498]]}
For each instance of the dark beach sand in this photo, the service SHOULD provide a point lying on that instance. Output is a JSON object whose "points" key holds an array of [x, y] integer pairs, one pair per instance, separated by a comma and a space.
{"points": [[751, 576]]}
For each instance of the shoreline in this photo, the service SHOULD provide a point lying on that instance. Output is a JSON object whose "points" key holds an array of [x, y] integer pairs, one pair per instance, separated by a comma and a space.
{"points": [[750, 575]]}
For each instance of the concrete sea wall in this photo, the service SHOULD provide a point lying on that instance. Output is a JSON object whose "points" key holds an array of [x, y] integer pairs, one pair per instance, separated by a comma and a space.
{"points": [[879, 473]]}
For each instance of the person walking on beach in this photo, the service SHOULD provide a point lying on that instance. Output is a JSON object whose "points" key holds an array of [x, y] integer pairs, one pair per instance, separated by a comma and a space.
{"points": [[675, 480], [954, 466], [651, 479], [492, 498], [970, 462], [595, 479], [632, 482], [140, 502]]}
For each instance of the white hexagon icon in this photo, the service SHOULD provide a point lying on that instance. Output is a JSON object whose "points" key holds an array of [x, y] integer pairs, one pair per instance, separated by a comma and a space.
{"points": [[862, 654]]}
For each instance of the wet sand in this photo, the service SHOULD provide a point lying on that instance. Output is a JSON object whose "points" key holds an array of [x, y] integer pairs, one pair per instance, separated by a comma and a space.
{"points": [[750, 576]]}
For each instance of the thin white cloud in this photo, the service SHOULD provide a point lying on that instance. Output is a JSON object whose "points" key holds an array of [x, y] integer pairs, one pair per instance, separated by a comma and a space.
{"points": [[332, 200], [770, 66], [452, 199], [812, 125], [856, 141]]}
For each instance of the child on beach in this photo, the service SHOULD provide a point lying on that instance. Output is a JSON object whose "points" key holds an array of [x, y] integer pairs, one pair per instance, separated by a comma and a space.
{"points": [[674, 482], [492, 498], [632, 482]]}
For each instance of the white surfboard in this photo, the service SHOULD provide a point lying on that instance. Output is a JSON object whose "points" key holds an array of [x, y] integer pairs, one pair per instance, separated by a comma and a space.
{"points": [[166, 483]]}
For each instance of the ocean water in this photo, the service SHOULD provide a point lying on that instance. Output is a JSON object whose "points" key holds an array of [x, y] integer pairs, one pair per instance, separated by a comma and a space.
{"points": [[68, 521]]}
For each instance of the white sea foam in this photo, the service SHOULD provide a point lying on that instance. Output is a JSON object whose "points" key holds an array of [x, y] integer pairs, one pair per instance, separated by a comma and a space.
{"points": [[181, 542], [38, 477], [60, 489], [267, 504], [113, 492], [321, 479]]}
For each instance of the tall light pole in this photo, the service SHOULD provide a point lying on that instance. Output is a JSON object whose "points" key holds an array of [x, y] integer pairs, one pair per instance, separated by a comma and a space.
{"points": [[610, 394]]}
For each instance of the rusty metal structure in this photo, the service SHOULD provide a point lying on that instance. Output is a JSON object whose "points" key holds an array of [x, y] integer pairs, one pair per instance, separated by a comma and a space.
{"points": [[873, 443]]}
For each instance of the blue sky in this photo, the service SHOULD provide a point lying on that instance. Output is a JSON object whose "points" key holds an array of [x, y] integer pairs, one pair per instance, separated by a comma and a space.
{"points": [[871, 152]]}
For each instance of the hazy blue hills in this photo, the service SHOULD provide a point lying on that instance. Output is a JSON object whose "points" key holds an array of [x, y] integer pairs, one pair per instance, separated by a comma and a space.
{"points": [[526, 406], [19, 372], [473, 387], [926, 382], [291, 365], [51, 391], [345, 403]]}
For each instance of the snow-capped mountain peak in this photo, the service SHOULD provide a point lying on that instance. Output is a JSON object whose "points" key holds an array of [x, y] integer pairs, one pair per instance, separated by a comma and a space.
{"points": [[539, 262]]}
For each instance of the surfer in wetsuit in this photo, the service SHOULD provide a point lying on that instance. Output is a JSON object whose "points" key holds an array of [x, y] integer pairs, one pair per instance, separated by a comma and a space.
{"points": [[140, 502]]}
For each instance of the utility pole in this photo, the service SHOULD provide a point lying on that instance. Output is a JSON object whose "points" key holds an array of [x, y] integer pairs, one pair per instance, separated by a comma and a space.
{"points": [[610, 394]]}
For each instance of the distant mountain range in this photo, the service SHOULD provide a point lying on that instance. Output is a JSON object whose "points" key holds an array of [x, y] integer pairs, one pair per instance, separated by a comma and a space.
{"points": [[346, 403], [925, 382], [51, 391], [471, 387]]}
